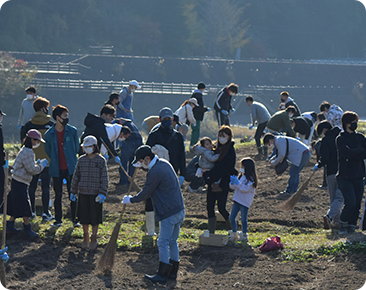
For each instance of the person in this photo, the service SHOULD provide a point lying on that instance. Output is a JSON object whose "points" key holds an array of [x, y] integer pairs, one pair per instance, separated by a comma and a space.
{"points": [[207, 156], [95, 126], [24, 168], [163, 188], [287, 101], [90, 186], [260, 115], [62, 145], [149, 123], [329, 158], [185, 112], [3, 162], [113, 100], [244, 185], [42, 122], [124, 108], [128, 146], [298, 154], [196, 183], [222, 104], [26, 108], [280, 120], [302, 126], [198, 112], [312, 116], [351, 171], [115, 132], [173, 142], [218, 178], [333, 113]]}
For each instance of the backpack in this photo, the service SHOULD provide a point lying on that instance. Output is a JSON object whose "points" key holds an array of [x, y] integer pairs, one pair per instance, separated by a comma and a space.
{"points": [[161, 150]]}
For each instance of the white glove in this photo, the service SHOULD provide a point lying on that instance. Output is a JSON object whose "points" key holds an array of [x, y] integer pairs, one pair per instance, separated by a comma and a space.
{"points": [[126, 199]]}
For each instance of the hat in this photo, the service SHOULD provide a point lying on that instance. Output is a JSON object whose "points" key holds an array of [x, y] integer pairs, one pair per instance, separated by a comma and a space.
{"points": [[135, 83], [176, 119], [194, 101], [2, 113], [35, 134], [284, 93], [201, 86], [141, 153], [165, 112], [184, 130], [89, 141]]}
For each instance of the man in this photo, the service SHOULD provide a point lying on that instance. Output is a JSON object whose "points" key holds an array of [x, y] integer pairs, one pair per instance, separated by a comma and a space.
{"points": [[113, 100], [42, 122], [298, 154], [173, 142], [124, 108], [163, 188], [222, 104], [302, 126], [329, 159], [198, 112], [95, 127], [281, 120], [26, 108], [128, 147], [260, 115], [287, 101], [62, 145], [333, 113]]}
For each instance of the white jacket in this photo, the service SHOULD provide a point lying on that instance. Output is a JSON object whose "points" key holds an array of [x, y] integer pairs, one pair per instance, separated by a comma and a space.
{"points": [[295, 150], [184, 113], [25, 166], [244, 192], [113, 131]]}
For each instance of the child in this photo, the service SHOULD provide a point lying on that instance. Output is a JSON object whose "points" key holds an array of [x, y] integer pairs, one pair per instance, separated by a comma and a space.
{"points": [[25, 167], [243, 196], [90, 180], [207, 156]]}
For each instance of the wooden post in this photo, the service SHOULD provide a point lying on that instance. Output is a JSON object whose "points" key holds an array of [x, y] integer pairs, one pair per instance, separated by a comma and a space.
{"points": [[5, 203]]}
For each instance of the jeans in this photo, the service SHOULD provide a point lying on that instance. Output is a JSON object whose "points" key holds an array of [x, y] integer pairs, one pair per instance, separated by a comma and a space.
{"points": [[336, 198], [127, 153], [352, 190], [57, 186], [259, 133], [294, 180], [244, 217], [45, 182], [195, 133], [221, 198], [168, 236]]}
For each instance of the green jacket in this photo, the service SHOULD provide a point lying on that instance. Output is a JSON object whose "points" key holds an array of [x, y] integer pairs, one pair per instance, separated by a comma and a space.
{"points": [[280, 120]]}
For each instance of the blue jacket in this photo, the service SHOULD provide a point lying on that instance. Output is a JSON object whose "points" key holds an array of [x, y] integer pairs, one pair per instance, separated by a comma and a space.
{"points": [[163, 188], [71, 147]]}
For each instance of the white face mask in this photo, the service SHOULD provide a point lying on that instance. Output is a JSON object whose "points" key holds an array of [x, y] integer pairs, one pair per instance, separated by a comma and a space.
{"points": [[290, 115], [223, 140], [121, 139], [143, 165], [242, 170], [36, 146], [133, 90], [88, 150], [30, 97]]}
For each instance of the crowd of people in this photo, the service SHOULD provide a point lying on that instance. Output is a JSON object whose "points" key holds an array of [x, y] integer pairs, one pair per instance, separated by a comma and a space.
{"points": [[52, 149]]}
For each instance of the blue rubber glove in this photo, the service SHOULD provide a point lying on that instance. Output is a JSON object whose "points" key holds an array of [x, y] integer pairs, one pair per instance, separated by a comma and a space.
{"points": [[6, 165], [72, 197], [44, 163], [224, 112], [4, 255], [19, 127], [250, 127], [208, 109], [233, 110], [316, 167], [100, 198], [181, 180], [234, 180], [106, 156], [298, 138], [117, 160]]}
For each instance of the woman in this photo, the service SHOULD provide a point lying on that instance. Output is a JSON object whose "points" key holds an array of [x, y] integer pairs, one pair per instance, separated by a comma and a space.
{"points": [[185, 112], [351, 171], [218, 178]]}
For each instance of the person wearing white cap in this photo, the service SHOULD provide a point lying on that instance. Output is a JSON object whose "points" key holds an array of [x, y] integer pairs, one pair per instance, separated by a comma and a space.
{"points": [[124, 108], [185, 112]]}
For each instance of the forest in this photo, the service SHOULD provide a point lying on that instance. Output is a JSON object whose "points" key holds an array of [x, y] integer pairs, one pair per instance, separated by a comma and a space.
{"points": [[283, 29]]}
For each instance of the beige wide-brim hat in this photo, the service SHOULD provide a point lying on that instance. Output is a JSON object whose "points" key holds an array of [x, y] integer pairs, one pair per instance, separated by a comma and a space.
{"points": [[89, 141], [194, 101]]}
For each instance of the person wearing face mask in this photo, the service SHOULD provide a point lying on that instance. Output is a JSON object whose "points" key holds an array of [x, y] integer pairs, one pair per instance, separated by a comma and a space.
{"points": [[62, 145], [42, 122], [222, 104], [113, 100], [124, 108], [218, 178], [128, 145], [26, 108], [163, 188], [24, 168], [351, 147], [333, 113], [287, 101], [281, 120]]}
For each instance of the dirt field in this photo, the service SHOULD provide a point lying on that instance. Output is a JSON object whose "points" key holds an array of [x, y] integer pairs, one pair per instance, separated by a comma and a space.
{"points": [[47, 264]]}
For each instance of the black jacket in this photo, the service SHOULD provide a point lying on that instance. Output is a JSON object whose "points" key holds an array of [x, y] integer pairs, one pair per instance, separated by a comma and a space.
{"points": [[292, 103], [303, 126], [223, 101], [175, 146], [328, 151], [94, 125], [351, 152], [199, 111], [223, 169]]}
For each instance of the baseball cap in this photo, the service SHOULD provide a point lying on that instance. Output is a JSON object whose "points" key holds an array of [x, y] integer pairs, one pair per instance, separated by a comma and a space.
{"points": [[135, 83], [165, 112], [35, 134], [89, 141], [141, 153], [194, 101], [2, 113]]}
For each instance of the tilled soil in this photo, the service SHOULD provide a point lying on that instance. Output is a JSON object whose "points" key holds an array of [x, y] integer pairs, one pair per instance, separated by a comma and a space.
{"points": [[45, 264]]}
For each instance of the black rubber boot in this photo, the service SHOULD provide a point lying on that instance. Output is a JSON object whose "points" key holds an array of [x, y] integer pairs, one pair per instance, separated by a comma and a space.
{"points": [[228, 225], [212, 225], [10, 228], [174, 271], [260, 153], [29, 232], [162, 275]]}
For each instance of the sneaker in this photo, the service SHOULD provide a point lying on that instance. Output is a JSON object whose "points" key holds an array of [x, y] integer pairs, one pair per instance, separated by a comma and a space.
{"points": [[191, 189], [243, 237], [47, 217], [327, 222], [56, 224], [201, 189], [342, 231], [285, 192], [323, 187], [233, 236], [76, 225]]}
